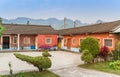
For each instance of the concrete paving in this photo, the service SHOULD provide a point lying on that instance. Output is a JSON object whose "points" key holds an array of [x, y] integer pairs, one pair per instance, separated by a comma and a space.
{"points": [[59, 59], [80, 72], [63, 63]]}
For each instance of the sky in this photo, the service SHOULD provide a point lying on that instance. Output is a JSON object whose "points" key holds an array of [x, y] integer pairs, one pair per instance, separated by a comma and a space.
{"points": [[85, 10]]}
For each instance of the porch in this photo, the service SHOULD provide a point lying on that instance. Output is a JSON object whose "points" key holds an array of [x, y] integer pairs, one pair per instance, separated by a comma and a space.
{"points": [[17, 42]]}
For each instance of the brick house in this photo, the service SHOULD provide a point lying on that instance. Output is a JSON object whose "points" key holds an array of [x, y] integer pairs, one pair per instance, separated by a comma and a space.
{"points": [[19, 36], [106, 33], [22, 37]]}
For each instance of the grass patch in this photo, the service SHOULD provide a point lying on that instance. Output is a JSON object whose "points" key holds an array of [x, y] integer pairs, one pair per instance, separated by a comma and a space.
{"points": [[101, 66], [34, 74]]}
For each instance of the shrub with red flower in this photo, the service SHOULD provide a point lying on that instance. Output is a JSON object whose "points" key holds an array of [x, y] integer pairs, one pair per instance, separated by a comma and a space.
{"points": [[45, 47], [104, 52]]}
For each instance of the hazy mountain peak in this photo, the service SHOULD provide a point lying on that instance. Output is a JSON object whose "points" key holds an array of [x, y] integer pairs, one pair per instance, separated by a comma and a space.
{"points": [[54, 22], [99, 21], [52, 19]]}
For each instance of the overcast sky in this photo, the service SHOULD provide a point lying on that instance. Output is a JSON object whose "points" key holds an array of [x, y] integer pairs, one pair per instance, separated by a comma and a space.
{"points": [[85, 10]]}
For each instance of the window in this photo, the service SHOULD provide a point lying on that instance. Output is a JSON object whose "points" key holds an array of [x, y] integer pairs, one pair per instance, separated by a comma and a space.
{"points": [[98, 40], [108, 42], [81, 40], [74, 41], [15, 40], [26, 40], [48, 41]]}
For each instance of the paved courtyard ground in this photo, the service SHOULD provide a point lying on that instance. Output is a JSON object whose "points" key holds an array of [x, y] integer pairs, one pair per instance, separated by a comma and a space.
{"points": [[63, 64], [59, 59], [80, 72]]}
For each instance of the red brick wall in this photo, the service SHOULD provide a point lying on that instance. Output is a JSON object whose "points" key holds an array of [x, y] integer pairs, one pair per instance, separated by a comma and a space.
{"points": [[32, 40], [99, 36], [41, 39]]}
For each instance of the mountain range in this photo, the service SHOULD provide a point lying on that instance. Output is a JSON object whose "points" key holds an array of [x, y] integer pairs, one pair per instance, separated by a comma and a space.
{"points": [[54, 22]]}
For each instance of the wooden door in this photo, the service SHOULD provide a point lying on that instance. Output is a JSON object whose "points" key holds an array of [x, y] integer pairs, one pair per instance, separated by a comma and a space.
{"points": [[69, 43]]}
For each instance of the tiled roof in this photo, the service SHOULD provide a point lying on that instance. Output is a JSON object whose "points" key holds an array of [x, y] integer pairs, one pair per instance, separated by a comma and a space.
{"points": [[95, 28], [28, 29]]}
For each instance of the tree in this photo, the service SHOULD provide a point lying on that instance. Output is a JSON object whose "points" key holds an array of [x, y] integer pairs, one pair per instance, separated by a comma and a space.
{"points": [[0, 20], [90, 44], [1, 27]]}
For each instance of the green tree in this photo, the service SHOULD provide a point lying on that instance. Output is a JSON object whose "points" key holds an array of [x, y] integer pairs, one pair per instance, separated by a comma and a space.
{"points": [[90, 44], [1, 27]]}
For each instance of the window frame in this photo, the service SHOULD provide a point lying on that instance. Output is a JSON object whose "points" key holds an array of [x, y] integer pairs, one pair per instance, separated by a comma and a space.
{"points": [[99, 40], [24, 40], [80, 40], [108, 39], [73, 41], [14, 39], [49, 42]]}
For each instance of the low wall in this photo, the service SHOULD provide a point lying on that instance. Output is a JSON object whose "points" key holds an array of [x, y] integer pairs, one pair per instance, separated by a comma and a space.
{"points": [[71, 49]]}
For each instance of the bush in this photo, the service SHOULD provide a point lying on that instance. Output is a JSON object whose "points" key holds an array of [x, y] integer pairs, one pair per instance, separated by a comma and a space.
{"points": [[115, 65], [40, 62], [45, 47], [118, 46], [46, 53], [104, 52], [116, 54], [87, 56], [90, 44]]}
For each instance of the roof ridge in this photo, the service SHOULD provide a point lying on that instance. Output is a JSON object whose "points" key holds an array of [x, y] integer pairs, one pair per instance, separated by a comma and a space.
{"points": [[42, 25], [94, 28], [91, 25]]}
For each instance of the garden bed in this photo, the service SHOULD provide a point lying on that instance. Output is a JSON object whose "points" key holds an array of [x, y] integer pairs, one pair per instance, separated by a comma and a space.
{"points": [[33, 74], [101, 66]]}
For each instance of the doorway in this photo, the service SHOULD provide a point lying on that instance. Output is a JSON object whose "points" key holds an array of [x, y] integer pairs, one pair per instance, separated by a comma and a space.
{"points": [[69, 43], [6, 42]]}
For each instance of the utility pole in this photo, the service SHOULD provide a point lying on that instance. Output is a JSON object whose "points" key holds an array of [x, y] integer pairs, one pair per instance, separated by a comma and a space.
{"points": [[28, 22], [64, 23], [74, 24]]}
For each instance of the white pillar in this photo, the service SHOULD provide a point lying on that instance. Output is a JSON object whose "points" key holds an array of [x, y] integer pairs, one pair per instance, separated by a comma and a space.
{"points": [[1, 42], [18, 46], [36, 42]]}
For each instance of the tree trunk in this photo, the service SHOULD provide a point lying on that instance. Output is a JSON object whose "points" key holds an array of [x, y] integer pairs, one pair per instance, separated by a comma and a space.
{"points": [[40, 69]]}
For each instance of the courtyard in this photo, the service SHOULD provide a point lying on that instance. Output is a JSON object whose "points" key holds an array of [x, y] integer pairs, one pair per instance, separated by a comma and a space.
{"points": [[65, 64]]}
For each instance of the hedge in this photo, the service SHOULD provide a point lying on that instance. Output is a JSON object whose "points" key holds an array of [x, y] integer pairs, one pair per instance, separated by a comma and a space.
{"points": [[41, 62]]}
